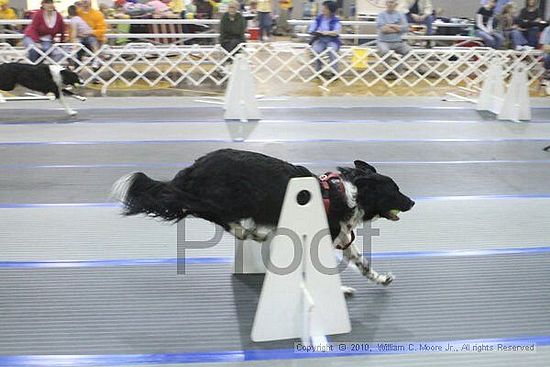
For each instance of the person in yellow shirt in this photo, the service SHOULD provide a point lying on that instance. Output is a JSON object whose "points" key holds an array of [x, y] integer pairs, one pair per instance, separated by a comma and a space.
{"points": [[94, 18], [286, 5], [5, 11]]}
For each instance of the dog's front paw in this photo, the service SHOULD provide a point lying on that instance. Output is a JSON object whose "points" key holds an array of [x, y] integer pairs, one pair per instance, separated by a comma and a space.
{"points": [[348, 291], [388, 279], [72, 112]]}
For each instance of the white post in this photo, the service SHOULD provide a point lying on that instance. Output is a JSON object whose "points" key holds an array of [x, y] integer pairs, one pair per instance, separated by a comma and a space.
{"points": [[240, 97], [491, 96], [516, 105], [301, 295]]}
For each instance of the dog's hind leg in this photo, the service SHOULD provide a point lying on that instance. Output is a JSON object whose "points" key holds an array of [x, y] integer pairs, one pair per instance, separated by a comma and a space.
{"points": [[247, 229], [353, 255]]}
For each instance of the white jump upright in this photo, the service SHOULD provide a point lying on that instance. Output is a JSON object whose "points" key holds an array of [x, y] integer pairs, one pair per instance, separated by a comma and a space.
{"points": [[516, 105], [240, 99], [491, 96], [307, 302]]}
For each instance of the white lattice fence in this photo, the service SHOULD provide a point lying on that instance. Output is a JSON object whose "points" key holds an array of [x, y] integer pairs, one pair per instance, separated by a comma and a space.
{"points": [[136, 64]]}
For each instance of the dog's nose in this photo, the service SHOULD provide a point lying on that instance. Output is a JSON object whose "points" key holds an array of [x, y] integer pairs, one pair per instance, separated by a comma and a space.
{"points": [[412, 203]]}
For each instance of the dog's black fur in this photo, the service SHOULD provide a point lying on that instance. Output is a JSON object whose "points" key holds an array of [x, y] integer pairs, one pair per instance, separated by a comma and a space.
{"points": [[35, 77], [243, 192], [227, 186]]}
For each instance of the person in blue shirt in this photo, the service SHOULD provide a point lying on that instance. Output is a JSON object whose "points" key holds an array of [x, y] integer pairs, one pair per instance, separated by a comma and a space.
{"points": [[325, 30], [545, 43]]}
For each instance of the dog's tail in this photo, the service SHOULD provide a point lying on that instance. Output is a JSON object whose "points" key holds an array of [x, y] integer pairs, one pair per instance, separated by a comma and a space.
{"points": [[139, 194]]}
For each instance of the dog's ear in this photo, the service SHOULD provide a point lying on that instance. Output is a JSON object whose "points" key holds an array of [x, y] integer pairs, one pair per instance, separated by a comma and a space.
{"points": [[364, 166]]}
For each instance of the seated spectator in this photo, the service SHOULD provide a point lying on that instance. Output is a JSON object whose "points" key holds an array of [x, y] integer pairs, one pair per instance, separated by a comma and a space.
{"points": [[418, 12], [81, 32], [499, 5], [391, 25], [232, 28], [325, 30], [94, 18], [46, 24], [204, 9], [512, 34], [529, 21], [545, 43], [134, 8], [162, 10], [7, 13], [485, 26]]}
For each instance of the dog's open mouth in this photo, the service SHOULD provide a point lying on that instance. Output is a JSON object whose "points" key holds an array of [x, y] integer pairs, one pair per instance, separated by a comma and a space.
{"points": [[392, 215]]}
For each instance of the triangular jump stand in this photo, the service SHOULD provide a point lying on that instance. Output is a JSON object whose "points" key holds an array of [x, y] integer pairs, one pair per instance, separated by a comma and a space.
{"points": [[491, 96], [240, 100], [516, 105], [307, 302], [513, 105]]}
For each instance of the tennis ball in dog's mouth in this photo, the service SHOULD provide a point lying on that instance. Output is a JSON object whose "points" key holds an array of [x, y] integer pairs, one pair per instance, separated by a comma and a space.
{"points": [[393, 214]]}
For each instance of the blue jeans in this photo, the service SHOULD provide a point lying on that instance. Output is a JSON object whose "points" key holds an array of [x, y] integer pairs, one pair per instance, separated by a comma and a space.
{"points": [[494, 40], [516, 37], [428, 22], [320, 45], [531, 35], [547, 62], [44, 45], [265, 22]]}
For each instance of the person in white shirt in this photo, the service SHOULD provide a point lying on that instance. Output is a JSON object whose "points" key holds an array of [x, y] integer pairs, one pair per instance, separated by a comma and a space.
{"points": [[418, 12], [81, 32]]}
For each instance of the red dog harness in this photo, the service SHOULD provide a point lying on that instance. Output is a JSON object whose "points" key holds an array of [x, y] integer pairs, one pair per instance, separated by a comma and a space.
{"points": [[326, 180]]}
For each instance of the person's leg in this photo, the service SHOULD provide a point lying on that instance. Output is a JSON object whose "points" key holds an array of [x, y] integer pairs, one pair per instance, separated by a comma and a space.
{"points": [[547, 63], [265, 24], [488, 40], [318, 47], [429, 24], [499, 40], [92, 44], [33, 55], [410, 20], [402, 48], [46, 45], [517, 38], [333, 48], [383, 48], [532, 36]]}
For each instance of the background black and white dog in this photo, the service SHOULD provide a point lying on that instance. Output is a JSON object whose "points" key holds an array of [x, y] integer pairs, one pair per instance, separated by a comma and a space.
{"points": [[41, 78], [243, 192]]}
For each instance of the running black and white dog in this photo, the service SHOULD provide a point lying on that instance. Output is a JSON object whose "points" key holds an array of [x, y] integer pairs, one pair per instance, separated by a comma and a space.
{"points": [[41, 78], [243, 192]]}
